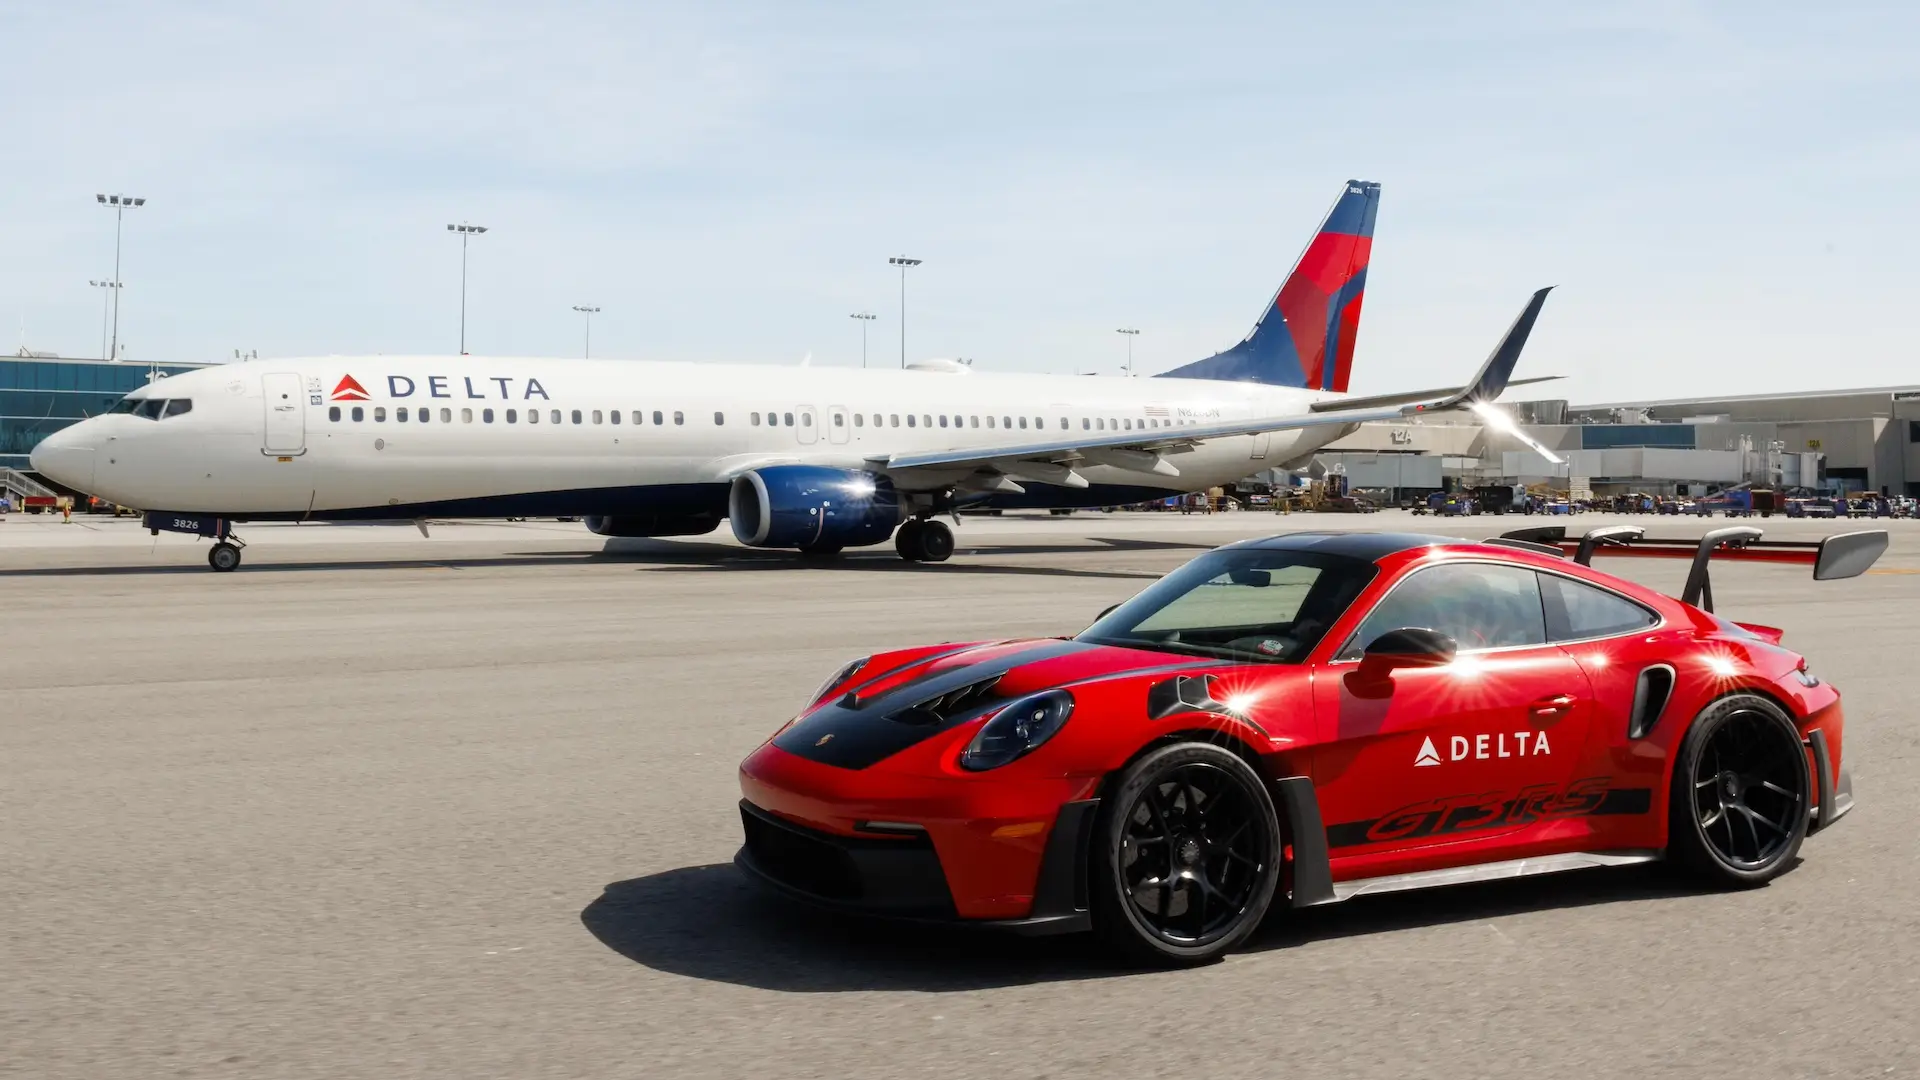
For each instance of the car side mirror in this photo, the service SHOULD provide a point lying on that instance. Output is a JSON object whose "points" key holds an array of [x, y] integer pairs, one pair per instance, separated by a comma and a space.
{"points": [[1408, 647]]}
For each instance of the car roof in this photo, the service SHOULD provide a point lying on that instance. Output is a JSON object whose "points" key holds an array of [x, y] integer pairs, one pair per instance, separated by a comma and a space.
{"points": [[1371, 546]]}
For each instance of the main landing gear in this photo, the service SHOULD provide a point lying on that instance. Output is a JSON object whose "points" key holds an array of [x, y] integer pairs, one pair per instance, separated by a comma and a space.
{"points": [[924, 540]]}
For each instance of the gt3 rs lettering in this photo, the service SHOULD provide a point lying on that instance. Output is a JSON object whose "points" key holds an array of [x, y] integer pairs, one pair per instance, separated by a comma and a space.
{"points": [[1496, 809]]}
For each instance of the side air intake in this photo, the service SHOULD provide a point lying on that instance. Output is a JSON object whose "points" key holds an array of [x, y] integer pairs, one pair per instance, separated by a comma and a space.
{"points": [[1650, 695]]}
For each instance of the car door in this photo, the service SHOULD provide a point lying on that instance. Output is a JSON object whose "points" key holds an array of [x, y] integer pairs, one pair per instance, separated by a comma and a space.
{"points": [[1462, 751]]}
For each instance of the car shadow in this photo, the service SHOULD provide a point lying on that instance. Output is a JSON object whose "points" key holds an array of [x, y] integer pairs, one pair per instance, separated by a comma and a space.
{"points": [[709, 922]]}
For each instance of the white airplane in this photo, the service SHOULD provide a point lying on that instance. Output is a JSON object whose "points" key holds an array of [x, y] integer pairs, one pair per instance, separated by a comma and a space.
{"points": [[814, 459]]}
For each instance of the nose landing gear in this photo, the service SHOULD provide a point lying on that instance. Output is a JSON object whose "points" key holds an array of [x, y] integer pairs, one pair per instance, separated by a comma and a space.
{"points": [[224, 556]]}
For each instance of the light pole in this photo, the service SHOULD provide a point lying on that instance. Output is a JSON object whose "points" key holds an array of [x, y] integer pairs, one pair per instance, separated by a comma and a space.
{"points": [[903, 262], [104, 298], [120, 204], [588, 313], [1131, 334], [466, 232], [865, 318]]}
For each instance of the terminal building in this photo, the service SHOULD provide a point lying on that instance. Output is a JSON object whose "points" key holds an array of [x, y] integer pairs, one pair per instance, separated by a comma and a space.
{"points": [[1841, 441]]}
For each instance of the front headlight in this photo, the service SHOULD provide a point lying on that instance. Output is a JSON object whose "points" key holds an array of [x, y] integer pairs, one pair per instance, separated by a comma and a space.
{"points": [[838, 677], [1017, 730]]}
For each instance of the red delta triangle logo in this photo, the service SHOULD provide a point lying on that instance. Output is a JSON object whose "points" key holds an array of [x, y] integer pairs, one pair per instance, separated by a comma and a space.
{"points": [[349, 390]]}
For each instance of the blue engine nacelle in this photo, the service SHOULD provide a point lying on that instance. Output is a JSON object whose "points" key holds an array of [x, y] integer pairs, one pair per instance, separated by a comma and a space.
{"points": [[812, 508]]}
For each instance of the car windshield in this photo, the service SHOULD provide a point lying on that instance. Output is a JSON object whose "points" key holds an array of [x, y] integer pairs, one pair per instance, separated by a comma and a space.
{"points": [[1240, 604]]}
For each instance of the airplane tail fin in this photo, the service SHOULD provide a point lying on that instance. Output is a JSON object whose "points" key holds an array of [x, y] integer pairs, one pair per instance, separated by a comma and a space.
{"points": [[1305, 336]]}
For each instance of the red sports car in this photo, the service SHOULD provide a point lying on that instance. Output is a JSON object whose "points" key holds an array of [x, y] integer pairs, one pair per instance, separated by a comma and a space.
{"points": [[1311, 717]]}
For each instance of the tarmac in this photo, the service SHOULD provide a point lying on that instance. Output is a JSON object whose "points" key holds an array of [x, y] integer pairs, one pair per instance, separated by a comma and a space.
{"points": [[381, 805]]}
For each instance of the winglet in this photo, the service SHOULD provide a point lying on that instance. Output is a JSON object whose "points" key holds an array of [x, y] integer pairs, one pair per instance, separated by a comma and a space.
{"points": [[1492, 379]]}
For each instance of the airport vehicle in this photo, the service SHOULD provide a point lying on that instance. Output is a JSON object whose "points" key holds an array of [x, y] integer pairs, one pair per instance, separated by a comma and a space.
{"points": [[806, 458], [1299, 720]]}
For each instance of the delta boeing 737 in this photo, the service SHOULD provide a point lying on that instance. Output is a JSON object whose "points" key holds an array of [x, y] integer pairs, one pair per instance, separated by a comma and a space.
{"points": [[811, 459]]}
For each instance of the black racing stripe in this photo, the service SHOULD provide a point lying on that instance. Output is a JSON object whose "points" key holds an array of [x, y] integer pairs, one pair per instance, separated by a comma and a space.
{"points": [[1634, 800], [854, 738]]}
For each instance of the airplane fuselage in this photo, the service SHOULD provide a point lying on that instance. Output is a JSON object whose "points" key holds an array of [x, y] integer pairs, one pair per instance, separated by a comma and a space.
{"points": [[404, 437]]}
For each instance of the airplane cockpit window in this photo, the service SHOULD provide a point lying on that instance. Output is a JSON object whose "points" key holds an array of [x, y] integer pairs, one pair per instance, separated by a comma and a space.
{"points": [[150, 408], [178, 406], [124, 405]]}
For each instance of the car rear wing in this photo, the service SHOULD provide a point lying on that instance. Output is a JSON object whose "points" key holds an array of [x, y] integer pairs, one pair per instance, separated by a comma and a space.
{"points": [[1842, 555]]}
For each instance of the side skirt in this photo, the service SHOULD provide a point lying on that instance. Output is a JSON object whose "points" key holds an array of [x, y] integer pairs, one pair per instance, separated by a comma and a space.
{"points": [[1494, 871]]}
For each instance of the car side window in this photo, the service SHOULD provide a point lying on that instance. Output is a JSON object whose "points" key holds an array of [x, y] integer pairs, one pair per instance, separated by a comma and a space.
{"points": [[1576, 611], [1479, 605]]}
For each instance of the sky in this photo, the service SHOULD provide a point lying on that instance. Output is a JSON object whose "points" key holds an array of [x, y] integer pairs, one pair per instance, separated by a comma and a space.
{"points": [[1727, 195]]}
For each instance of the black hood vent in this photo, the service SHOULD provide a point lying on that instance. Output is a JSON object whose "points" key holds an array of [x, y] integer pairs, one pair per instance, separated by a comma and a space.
{"points": [[951, 705]]}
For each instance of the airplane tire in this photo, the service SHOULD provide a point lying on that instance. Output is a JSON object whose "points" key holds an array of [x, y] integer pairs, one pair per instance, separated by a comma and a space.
{"points": [[223, 557], [935, 542], [906, 539]]}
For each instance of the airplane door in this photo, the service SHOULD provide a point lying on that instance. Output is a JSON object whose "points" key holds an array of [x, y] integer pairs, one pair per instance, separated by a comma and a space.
{"points": [[1260, 443], [286, 426], [837, 431], [806, 430]]}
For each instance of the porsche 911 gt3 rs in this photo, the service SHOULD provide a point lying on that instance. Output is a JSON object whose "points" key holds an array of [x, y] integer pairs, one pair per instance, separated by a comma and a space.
{"points": [[1302, 719]]}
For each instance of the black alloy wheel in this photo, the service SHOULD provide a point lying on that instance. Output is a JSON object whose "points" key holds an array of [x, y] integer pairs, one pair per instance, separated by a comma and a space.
{"points": [[1188, 857], [1742, 791]]}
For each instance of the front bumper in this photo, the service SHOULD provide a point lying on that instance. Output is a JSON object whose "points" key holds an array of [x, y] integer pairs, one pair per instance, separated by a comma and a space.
{"points": [[901, 878]]}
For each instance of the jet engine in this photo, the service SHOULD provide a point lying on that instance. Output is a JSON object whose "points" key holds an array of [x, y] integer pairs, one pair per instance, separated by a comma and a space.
{"points": [[812, 508], [695, 524]]}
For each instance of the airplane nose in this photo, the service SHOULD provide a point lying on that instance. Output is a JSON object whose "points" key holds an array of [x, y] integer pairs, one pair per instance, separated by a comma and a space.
{"points": [[62, 458]]}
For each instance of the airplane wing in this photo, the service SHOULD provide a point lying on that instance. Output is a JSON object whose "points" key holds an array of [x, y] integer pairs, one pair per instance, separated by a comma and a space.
{"points": [[1055, 461]]}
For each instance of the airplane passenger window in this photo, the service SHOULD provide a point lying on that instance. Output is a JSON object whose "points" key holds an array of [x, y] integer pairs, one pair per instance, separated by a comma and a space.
{"points": [[636, 418], [466, 416], [1023, 423], [973, 421], [1128, 424], [720, 419], [753, 419], [596, 416], [925, 420], [486, 416], [576, 416], [1063, 424], [806, 419], [894, 421], [943, 419], [446, 416], [359, 414], [512, 416], [1039, 421], [989, 421], [424, 415], [553, 415], [789, 420], [613, 417], [959, 421], [533, 416], [839, 420], [859, 419], [400, 415], [333, 414], [1006, 421], [380, 415], [179, 405], [679, 417], [911, 420], [656, 417]]}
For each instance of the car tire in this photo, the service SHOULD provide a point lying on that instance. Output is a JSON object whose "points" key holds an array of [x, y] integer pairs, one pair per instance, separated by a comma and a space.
{"points": [[1199, 819], [1741, 794]]}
